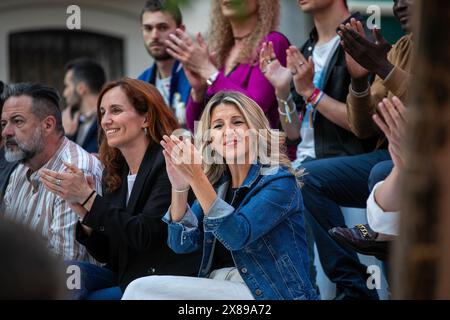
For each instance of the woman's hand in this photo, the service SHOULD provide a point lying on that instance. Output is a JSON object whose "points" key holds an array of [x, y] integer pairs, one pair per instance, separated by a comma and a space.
{"points": [[302, 70], [393, 123], [198, 85], [279, 76], [183, 161], [72, 185], [193, 55]]}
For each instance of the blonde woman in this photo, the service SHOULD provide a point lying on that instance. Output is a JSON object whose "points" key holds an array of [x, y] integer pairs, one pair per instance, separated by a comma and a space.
{"points": [[230, 61], [247, 221]]}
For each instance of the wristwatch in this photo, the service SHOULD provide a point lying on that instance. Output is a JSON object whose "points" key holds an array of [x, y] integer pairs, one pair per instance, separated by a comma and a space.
{"points": [[212, 78]]}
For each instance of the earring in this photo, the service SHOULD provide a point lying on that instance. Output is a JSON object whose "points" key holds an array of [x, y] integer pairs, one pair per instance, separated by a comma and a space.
{"points": [[146, 131]]}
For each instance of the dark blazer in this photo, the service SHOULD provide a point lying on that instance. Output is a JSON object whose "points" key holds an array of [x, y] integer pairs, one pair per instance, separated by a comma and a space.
{"points": [[6, 168], [132, 239], [90, 143]]}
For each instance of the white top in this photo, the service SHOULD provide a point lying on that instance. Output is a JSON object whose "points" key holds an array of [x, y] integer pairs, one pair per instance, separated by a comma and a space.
{"points": [[163, 86], [180, 108], [379, 220], [131, 179], [321, 58]]}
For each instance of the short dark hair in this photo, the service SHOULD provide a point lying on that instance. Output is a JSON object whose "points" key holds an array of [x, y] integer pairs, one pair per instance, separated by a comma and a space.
{"points": [[168, 6], [45, 100], [88, 71]]}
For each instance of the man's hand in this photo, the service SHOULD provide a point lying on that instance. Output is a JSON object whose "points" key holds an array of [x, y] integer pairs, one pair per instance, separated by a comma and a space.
{"points": [[70, 123], [302, 70], [369, 55]]}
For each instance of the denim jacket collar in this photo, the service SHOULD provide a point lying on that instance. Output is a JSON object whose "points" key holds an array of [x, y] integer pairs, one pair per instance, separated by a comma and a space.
{"points": [[252, 176]]}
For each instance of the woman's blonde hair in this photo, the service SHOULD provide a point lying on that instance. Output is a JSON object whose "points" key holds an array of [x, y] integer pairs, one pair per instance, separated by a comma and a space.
{"points": [[255, 119], [221, 38]]}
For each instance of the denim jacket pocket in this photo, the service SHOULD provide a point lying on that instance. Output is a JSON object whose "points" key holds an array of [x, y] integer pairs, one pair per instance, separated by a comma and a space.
{"points": [[293, 280]]}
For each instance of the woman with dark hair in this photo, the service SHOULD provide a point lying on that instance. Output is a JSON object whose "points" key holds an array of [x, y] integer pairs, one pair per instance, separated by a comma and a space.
{"points": [[123, 227]]}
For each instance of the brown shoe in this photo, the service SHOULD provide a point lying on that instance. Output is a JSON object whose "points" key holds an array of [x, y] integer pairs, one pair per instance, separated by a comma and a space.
{"points": [[362, 239]]}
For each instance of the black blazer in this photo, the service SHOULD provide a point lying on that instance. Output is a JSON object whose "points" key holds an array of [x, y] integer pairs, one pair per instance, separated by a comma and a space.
{"points": [[132, 239]]}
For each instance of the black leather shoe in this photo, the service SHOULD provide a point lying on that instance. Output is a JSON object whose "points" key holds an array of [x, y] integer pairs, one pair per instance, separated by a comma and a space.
{"points": [[361, 238]]}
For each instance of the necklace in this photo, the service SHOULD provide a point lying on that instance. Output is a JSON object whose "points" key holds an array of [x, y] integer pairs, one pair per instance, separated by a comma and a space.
{"points": [[244, 36]]}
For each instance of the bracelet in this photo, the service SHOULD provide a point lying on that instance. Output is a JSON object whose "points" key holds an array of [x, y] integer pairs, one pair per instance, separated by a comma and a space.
{"points": [[360, 94], [181, 191], [287, 108], [212, 78], [313, 95], [317, 100], [88, 198]]}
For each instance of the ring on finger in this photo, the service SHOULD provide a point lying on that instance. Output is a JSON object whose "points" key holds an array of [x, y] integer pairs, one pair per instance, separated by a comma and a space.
{"points": [[58, 182]]}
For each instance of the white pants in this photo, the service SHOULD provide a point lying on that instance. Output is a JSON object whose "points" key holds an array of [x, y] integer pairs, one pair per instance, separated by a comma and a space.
{"points": [[222, 284]]}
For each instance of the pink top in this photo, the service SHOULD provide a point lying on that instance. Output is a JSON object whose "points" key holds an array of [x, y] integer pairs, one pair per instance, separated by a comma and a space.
{"points": [[248, 79]]}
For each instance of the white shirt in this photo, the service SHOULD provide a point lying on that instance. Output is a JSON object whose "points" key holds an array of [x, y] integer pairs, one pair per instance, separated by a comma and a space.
{"points": [[131, 180], [28, 202], [379, 220], [163, 86], [321, 58]]}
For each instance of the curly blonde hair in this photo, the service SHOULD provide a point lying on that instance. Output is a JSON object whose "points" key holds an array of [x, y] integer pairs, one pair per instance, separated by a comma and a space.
{"points": [[221, 39]]}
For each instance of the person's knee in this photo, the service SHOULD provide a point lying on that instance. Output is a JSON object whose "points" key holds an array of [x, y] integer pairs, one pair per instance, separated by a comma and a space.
{"points": [[379, 172], [311, 177]]}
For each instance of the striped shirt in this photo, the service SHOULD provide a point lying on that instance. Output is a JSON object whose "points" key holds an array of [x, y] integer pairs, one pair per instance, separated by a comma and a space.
{"points": [[28, 202]]}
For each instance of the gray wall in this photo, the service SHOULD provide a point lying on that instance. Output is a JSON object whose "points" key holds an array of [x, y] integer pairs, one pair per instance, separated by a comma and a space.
{"points": [[121, 19]]}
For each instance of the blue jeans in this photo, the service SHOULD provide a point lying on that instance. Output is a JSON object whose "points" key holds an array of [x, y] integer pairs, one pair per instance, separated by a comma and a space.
{"points": [[379, 172], [310, 244], [97, 283], [329, 184]]}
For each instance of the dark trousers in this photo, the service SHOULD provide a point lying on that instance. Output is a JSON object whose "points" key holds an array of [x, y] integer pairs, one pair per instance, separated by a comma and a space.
{"points": [[329, 184], [379, 172], [97, 283]]}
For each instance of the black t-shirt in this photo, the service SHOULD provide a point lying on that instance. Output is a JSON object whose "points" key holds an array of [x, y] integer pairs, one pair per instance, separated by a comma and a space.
{"points": [[222, 256]]}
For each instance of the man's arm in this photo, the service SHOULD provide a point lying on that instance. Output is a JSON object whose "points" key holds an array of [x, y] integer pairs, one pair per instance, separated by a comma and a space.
{"points": [[364, 57]]}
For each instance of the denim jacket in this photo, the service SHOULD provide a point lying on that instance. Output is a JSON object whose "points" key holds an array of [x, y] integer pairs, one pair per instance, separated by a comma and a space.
{"points": [[265, 234]]}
